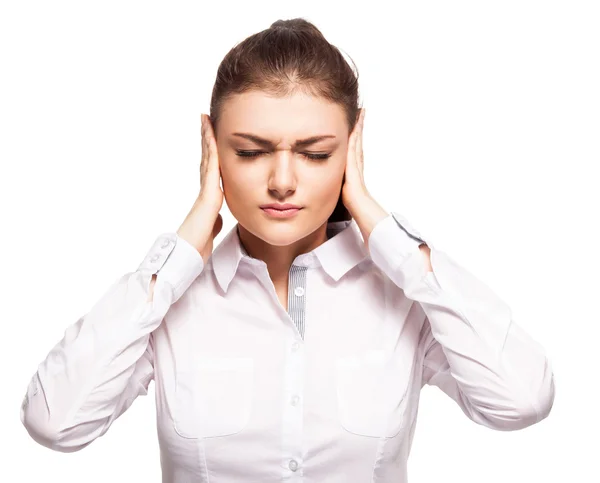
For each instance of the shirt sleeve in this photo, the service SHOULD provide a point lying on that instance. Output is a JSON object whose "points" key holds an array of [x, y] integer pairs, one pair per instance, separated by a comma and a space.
{"points": [[472, 348], [106, 358]]}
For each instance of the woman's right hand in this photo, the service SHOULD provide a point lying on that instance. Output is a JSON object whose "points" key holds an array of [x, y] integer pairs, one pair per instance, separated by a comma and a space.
{"points": [[210, 169], [204, 222]]}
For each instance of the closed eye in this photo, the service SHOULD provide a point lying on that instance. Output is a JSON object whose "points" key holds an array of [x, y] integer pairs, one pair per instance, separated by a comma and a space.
{"points": [[254, 154]]}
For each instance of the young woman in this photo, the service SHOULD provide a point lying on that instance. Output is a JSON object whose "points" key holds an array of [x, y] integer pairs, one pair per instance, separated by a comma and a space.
{"points": [[298, 349]]}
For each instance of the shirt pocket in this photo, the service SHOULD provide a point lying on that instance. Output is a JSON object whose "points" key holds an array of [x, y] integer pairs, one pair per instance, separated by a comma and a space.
{"points": [[371, 394], [213, 397]]}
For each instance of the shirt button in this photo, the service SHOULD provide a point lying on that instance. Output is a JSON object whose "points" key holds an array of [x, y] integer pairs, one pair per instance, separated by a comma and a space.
{"points": [[299, 291], [295, 346], [154, 258], [293, 465], [295, 400], [165, 244]]}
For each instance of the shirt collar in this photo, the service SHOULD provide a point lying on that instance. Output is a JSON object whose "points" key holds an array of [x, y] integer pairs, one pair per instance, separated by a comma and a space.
{"points": [[343, 250]]}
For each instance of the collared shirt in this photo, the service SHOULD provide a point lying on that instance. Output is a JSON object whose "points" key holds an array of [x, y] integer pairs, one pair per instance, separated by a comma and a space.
{"points": [[325, 391]]}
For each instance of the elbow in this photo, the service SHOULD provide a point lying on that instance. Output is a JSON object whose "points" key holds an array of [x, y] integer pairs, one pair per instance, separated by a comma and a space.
{"points": [[521, 413], [545, 400], [54, 439], [44, 432], [507, 419], [532, 413], [51, 439], [538, 403], [532, 389]]}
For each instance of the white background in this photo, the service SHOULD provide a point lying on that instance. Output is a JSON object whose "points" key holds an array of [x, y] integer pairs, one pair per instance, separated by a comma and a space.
{"points": [[482, 128]]}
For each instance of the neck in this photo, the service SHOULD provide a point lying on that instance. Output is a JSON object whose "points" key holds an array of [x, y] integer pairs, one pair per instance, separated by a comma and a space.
{"points": [[279, 259]]}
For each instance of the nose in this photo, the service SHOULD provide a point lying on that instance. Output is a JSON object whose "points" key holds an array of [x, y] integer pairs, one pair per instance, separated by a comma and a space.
{"points": [[282, 175]]}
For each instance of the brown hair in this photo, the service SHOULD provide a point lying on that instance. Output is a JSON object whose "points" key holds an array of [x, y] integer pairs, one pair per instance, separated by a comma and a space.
{"points": [[290, 55]]}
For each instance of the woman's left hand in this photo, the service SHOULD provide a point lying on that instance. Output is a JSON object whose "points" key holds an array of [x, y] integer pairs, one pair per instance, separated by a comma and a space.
{"points": [[354, 190]]}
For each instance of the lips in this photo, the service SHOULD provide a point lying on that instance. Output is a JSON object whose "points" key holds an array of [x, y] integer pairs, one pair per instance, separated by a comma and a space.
{"points": [[277, 213], [284, 206]]}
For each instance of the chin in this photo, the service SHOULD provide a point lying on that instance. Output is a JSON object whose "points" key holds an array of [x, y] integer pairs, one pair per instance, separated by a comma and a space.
{"points": [[280, 232]]}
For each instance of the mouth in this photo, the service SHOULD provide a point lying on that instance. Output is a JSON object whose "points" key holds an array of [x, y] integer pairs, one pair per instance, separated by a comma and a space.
{"points": [[276, 213]]}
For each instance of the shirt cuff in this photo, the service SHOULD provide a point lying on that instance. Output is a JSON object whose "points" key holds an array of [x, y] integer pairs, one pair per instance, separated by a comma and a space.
{"points": [[393, 242], [175, 261]]}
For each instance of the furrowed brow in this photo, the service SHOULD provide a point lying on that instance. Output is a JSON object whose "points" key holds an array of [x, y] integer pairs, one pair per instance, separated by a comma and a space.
{"points": [[269, 144]]}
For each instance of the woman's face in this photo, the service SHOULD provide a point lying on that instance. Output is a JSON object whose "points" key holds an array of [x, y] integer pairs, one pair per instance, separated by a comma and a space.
{"points": [[281, 171]]}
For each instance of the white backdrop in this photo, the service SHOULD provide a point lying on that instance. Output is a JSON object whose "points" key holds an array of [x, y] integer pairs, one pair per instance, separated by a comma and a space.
{"points": [[482, 128]]}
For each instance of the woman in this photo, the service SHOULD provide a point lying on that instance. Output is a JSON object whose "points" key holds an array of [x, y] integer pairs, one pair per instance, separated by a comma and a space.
{"points": [[300, 346]]}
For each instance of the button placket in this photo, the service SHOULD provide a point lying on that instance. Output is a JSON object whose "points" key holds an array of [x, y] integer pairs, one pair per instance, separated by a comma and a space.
{"points": [[297, 296], [292, 414]]}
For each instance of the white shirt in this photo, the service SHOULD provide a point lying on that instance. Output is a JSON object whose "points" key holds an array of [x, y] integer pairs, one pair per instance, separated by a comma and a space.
{"points": [[326, 391]]}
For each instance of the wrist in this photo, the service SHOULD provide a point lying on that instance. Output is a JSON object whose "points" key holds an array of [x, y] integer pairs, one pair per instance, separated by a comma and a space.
{"points": [[198, 225]]}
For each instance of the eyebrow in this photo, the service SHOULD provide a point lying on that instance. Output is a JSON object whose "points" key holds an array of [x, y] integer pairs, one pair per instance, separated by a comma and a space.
{"points": [[269, 144]]}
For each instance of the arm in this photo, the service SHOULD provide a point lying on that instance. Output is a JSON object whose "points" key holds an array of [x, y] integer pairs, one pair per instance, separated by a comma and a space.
{"points": [[472, 348], [105, 359]]}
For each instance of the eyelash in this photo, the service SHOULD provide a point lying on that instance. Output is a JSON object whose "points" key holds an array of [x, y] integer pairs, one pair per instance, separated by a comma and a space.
{"points": [[254, 154]]}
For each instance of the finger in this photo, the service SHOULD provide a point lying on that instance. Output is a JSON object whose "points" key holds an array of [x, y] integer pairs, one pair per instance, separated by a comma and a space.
{"points": [[213, 156], [359, 133], [205, 138], [211, 142], [209, 133], [204, 153], [202, 135], [352, 142]]}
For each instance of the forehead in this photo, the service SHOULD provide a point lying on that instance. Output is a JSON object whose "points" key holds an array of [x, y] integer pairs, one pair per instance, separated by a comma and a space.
{"points": [[297, 114]]}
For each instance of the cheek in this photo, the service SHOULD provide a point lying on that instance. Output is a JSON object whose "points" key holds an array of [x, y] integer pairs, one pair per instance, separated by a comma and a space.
{"points": [[326, 186], [235, 178]]}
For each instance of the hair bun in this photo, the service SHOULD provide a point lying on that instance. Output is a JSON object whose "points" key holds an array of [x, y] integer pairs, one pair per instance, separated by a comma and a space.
{"points": [[299, 25], [286, 24], [280, 23]]}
